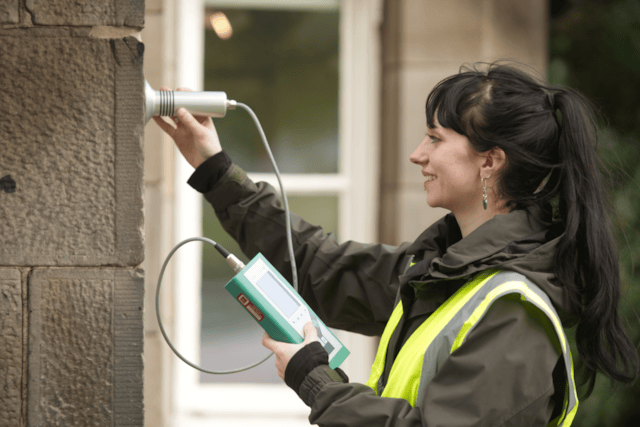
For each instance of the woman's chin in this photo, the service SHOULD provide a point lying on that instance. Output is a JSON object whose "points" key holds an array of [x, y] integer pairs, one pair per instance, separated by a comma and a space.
{"points": [[432, 203]]}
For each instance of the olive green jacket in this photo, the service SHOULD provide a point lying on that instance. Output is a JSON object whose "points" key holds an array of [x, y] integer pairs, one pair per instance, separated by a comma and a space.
{"points": [[507, 373]]}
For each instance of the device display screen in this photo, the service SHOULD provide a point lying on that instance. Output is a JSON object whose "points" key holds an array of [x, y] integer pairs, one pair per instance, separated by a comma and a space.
{"points": [[272, 287]]}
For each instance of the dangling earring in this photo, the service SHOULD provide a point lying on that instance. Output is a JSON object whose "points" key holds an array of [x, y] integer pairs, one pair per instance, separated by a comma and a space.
{"points": [[484, 192]]}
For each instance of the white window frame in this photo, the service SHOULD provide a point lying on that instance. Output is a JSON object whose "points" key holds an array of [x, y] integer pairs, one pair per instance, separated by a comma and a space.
{"points": [[355, 185]]}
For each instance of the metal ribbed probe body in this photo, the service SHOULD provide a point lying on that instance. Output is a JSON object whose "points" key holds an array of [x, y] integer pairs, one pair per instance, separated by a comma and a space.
{"points": [[166, 103]]}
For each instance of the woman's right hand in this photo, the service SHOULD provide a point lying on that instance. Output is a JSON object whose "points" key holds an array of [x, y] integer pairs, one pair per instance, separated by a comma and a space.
{"points": [[195, 136]]}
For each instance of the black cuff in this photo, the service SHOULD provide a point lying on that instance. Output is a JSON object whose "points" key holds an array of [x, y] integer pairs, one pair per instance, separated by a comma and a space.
{"points": [[317, 379], [209, 172], [303, 362]]}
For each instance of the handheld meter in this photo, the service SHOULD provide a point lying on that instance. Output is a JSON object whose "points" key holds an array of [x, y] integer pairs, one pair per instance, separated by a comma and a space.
{"points": [[279, 309]]}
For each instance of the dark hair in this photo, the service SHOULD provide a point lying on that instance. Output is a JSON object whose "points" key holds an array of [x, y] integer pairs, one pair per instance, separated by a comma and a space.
{"points": [[503, 106]]}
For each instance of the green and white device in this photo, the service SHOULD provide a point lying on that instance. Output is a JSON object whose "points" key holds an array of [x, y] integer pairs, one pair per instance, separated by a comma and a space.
{"points": [[279, 309]]}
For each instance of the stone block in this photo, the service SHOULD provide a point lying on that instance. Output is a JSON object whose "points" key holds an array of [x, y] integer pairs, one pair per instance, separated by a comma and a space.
{"points": [[71, 143], [86, 12], [153, 7], [435, 30], [86, 343], [9, 12], [10, 347], [519, 31]]}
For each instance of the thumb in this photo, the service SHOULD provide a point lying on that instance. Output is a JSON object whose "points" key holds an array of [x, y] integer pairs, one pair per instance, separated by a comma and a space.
{"points": [[310, 333]]}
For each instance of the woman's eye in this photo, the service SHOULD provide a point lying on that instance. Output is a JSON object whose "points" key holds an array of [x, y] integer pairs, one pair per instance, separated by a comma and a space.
{"points": [[432, 139]]}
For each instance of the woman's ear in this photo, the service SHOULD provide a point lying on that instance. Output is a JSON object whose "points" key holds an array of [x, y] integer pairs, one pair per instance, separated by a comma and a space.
{"points": [[494, 161]]}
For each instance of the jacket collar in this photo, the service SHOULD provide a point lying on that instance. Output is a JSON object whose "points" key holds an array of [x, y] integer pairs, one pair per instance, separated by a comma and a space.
{"points": [[524, 241]]}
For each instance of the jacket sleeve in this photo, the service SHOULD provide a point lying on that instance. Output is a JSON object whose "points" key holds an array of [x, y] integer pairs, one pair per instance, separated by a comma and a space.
{"points": [[351, 286], [500, 377]]}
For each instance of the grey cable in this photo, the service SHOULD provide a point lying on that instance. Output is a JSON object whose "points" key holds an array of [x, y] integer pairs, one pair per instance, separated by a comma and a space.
{"points": [[164, 334], [294, 271]]}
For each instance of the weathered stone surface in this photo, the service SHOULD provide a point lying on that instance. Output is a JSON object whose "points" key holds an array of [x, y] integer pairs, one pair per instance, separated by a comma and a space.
{"points": [[9, 12], [129, 119], [10, 347], [87, 12], [86, 342], [71, 139]]}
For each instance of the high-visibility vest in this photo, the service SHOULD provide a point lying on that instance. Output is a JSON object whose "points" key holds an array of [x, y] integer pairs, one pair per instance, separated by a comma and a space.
{"points": [[447, 329]]}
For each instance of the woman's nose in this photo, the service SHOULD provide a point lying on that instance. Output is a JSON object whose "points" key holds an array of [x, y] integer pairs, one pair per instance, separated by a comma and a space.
{"points": [[419, 156]]}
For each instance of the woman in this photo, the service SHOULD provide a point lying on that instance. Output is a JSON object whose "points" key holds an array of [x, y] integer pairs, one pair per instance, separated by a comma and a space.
{"points": [[471, 313]]}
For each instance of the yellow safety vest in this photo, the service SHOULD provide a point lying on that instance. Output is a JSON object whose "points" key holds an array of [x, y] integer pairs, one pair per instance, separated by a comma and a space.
{"points": [[447, 329]]}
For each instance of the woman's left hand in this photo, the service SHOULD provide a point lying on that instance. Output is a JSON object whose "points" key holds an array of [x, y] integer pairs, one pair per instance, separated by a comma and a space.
{"points": [[285, 351]]}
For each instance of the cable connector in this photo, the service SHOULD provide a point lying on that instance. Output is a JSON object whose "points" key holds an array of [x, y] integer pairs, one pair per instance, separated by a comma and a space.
{"points": [[231, 259], [235, 263]]}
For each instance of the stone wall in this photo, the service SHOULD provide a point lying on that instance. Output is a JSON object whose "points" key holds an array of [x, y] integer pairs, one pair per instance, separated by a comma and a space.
{"points": [[71, 213]]}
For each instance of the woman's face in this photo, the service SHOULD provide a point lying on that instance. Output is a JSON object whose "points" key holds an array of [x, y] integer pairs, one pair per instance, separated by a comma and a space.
{"points": [[452, 170]]}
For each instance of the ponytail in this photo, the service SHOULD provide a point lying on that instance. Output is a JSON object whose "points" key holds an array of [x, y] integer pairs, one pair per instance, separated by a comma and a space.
{"points": [[587, 256]]}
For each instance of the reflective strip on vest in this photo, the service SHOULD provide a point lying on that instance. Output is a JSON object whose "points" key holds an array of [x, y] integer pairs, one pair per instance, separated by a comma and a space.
{"points": [[447, 328]]}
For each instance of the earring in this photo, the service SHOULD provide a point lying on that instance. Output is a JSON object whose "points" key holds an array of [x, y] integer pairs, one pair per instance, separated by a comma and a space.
{"points": [[484, 192]]}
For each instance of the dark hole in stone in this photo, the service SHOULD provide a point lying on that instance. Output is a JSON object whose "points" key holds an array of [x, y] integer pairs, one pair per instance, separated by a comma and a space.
{"points": [[8, 184]]}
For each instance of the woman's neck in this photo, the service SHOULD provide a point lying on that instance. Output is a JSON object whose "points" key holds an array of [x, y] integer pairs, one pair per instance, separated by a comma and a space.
{"points": [[469, 221]]}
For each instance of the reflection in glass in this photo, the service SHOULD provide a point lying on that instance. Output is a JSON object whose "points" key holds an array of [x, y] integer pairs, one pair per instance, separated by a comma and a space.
{"points": [[284, 65]]}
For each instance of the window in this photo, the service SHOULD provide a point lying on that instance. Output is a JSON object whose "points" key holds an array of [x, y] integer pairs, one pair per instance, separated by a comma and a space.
{"points": [[319, 110]]}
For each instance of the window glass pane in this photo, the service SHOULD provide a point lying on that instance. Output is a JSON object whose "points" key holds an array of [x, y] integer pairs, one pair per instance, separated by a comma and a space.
{"points": [[284, 65], [230, 337]]}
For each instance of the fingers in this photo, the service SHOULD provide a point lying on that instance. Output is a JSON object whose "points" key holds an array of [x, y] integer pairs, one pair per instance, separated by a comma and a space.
{"points": [[268, 342], [192, 124], [170, 130], [310, 333], [203, 120], [181, 89], [281, 369], [282, 355]]}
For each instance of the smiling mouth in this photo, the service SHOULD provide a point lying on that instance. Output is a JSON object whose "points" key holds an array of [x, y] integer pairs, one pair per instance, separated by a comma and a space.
{"points": [[430, 178]]}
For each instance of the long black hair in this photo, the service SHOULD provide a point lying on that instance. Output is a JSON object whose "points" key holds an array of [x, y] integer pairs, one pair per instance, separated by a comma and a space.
{"points": [[549, 136]]}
